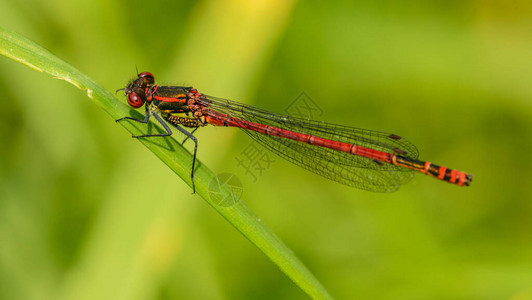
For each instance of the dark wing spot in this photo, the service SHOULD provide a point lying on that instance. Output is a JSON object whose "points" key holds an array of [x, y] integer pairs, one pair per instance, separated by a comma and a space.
{"points": [[394, 137]]}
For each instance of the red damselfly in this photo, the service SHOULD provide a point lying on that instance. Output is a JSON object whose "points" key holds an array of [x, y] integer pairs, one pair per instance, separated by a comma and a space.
{"points": [[365, 159]]}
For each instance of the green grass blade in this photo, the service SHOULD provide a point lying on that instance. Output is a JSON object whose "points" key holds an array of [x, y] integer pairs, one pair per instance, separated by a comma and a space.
{"points": [[173, 155]]}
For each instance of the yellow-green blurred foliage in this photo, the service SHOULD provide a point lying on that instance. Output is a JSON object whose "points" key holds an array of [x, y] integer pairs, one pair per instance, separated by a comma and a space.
{"points": [[86, 212]]}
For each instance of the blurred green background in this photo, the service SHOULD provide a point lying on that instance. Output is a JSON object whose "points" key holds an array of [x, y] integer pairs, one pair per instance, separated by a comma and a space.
{"points": [[86, 212]]}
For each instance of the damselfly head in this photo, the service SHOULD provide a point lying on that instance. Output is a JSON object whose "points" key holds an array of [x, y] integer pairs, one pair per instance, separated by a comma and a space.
{"points": [[136, 90]]}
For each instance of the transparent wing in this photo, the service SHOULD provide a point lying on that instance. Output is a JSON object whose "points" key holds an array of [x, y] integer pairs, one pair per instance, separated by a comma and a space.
{"points": [[351, 170]]}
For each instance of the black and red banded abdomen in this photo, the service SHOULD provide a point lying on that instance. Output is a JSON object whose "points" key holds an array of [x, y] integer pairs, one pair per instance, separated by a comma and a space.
{"points": [[450, 175], [443, 173]]}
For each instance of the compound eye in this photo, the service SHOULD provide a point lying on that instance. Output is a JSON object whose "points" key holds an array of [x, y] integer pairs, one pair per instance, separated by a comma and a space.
{"points": [[148, 77], [134, 100]]}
